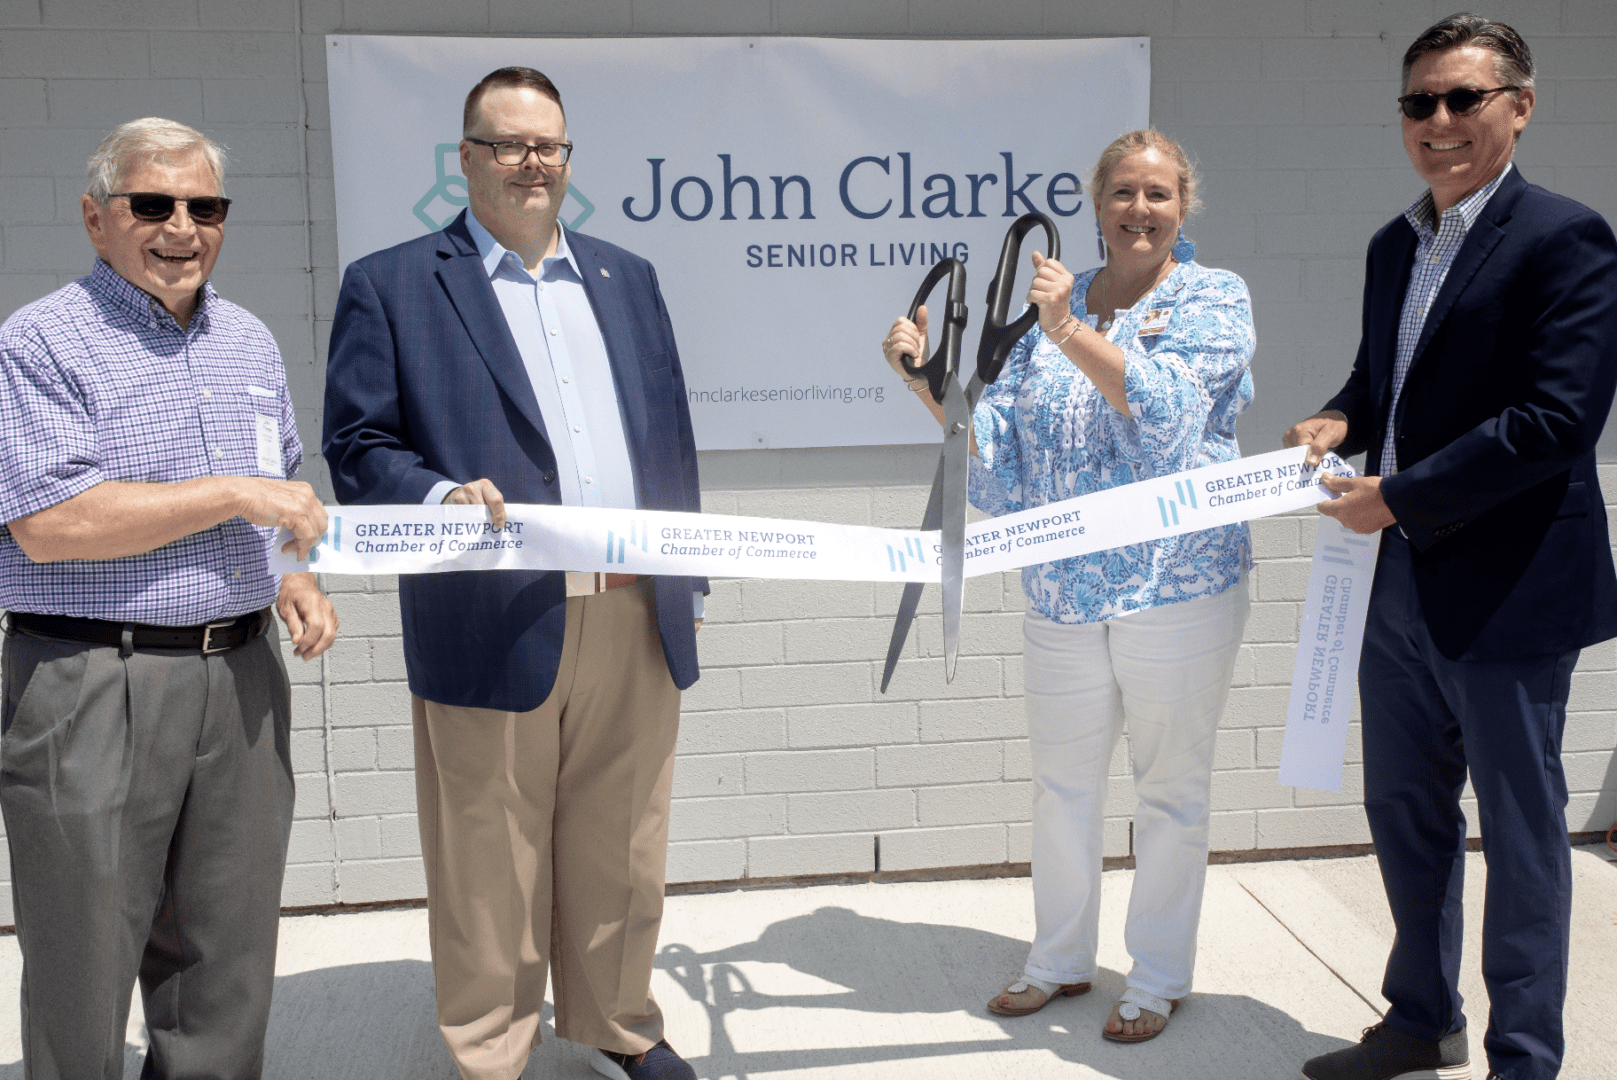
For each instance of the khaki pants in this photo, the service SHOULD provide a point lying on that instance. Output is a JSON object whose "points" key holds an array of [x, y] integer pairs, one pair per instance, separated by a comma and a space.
{"points": [[545, 837]]}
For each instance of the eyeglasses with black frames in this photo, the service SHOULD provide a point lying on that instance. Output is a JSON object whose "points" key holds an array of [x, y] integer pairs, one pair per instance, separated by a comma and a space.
{"points": [[515, 153], [158, 206], [1462, 101]]}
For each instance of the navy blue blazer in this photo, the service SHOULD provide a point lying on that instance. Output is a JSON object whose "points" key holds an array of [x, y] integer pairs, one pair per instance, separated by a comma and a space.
{"points": [[1511, 383], [424, 383]]}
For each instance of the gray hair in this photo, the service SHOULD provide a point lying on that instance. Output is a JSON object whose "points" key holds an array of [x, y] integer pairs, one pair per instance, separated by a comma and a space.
{"points": [[1512, 59], [149, 137]]}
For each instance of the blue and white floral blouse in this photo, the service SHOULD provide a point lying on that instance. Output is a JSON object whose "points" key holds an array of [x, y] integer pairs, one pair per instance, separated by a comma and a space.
{"points": [[1045, 434]]}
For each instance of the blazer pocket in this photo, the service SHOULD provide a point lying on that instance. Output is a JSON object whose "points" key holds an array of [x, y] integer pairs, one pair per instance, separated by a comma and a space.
{"points": [[1488, 312]]}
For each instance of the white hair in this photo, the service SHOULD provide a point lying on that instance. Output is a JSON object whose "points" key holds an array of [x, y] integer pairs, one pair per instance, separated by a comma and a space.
{"points": [[148, 138]]}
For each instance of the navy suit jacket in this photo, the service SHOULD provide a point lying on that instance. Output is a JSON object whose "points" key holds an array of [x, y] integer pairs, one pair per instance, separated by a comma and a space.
{"points": [[1511, 383], [424, 383]]}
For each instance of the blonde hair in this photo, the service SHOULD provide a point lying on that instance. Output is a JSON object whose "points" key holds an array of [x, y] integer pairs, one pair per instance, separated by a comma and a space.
{"points": [[1147, 139], [149, 137]]}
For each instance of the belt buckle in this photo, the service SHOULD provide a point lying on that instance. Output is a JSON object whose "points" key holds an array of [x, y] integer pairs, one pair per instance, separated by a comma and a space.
{"points": [[208, 647]]}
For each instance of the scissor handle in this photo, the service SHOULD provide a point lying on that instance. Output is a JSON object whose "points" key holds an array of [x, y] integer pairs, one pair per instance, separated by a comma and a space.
{"points": [[946, 361], [998, 337]]}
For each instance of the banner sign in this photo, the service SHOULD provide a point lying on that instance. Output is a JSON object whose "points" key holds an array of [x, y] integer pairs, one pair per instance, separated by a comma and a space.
{"points": [[798, 186]]}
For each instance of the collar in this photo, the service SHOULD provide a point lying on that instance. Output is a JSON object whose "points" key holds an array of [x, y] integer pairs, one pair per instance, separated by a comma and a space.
{"points": [[140, 304], [1421, 213], [495, 254]]}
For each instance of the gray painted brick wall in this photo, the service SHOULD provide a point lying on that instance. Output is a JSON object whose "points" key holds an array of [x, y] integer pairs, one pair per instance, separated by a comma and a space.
{"points": [[789, 761]]}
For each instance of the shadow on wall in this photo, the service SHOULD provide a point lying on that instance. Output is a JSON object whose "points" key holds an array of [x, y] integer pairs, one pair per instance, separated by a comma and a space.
{"points": [[889, 968]]}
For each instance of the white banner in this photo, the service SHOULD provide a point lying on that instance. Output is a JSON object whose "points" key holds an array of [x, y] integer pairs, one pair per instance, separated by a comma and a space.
{"points": [[806, 181]]}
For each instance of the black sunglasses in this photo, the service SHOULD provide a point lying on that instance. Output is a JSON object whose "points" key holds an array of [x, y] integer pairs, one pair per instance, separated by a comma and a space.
{"points": [[156, 206], [1462, 102]]}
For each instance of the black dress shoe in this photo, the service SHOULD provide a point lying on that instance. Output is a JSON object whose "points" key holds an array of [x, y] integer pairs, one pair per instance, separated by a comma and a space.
{"points": [[658, 1063], [1385, 1054]]}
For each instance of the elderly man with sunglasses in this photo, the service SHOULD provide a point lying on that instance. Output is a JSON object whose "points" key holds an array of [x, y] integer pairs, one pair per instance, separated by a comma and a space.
{"points": [[1485, 374], [147, 779]]}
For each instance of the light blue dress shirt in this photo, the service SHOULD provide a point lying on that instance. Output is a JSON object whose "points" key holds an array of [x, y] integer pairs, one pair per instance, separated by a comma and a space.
{"points": [[560, 342], [565, 356]]}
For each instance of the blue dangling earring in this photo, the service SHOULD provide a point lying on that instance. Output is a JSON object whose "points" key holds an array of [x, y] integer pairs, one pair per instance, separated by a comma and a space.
{"points": [[1183, 250]]}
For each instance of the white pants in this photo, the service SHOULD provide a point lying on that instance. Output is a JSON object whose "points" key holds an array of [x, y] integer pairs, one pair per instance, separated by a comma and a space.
{"points": [[1167, 670]]}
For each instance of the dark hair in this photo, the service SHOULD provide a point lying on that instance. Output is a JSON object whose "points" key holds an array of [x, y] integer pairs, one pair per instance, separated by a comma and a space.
{"points": [[1513, 61], [501, 79]]}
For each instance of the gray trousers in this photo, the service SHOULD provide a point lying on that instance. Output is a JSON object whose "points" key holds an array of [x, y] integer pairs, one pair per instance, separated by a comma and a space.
{"points": [[148, 803]]}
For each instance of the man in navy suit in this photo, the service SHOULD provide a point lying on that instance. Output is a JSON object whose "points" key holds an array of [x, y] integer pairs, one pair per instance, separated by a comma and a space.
{"points": [[507, 357], [1484, 376]]}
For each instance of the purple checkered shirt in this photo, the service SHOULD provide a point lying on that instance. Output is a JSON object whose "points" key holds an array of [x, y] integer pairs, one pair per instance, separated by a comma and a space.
{"points": [[1435, 252], [100, 383]]}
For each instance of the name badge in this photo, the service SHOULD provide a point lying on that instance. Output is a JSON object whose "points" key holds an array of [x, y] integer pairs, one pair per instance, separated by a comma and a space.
{"points": [[1156, 321], [268, 430]]}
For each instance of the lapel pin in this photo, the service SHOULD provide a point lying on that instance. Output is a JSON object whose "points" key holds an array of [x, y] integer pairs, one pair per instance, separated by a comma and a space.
{"points": [[604, 273]]}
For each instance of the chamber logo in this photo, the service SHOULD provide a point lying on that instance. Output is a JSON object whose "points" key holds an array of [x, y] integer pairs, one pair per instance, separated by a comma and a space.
{"points": [[448, 195], [1184, 495], [332, 536], [898, 559], [618, 546]]}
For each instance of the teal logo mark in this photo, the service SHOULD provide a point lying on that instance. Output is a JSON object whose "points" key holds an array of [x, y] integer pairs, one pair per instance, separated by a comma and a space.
{"points": [[898, 559], [440, 204], [332, 536], [1170, 507], [448, 194], [639, 536]]}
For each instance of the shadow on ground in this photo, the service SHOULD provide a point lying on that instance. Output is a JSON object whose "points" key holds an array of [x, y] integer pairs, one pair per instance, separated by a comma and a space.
{"points": [[891, 968]]}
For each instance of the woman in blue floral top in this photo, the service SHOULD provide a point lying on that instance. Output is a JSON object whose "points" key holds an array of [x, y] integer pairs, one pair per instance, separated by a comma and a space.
{"points": [[1138, 369]]}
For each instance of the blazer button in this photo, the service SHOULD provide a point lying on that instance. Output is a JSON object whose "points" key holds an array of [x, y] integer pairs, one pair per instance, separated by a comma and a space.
{"points": [[549, 476]]}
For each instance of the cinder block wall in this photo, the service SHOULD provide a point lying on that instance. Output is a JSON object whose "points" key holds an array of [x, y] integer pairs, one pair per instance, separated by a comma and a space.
{"points": [[790, 761]]}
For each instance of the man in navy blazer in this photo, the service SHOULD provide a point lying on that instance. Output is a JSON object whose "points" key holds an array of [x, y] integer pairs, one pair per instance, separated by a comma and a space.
{"points": [[1485, 374], [508, 358]]}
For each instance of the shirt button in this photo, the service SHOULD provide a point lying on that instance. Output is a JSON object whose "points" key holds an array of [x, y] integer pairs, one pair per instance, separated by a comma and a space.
{"points": [[553, 333], [541, 286], [207, 393], [238, 573], [566, 379], [218, 453], [577, 428], [589, 479]]}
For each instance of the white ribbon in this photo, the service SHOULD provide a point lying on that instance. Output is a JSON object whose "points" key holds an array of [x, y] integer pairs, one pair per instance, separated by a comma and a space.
{"points": [[433, 539], [418, 539]]}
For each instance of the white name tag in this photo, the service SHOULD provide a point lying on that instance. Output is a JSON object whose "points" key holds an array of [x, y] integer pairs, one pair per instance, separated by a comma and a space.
{"points": [[270, 462], [1155, 322]]}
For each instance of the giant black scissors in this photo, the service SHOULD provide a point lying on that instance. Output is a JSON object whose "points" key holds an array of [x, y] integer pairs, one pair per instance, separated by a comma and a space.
{"points": [[946, 506]]}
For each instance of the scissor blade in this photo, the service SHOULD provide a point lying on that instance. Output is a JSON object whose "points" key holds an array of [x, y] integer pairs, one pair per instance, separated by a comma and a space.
{"points": [[912, 590], [956, 474]]}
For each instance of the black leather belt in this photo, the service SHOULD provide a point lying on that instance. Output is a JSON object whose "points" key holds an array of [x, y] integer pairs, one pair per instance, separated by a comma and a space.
{"points": [[214, 637]]}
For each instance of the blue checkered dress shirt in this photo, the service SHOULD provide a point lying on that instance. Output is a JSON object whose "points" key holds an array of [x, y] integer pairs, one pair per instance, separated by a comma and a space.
{"points": [[100, 383], [1435, 251]]}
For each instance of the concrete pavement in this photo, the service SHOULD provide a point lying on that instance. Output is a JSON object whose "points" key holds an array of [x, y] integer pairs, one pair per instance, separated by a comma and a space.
{"points": [[860, 982]]}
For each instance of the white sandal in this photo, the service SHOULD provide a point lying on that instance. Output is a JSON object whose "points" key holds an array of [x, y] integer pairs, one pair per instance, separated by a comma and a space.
{"points": [[1129, 1006]]}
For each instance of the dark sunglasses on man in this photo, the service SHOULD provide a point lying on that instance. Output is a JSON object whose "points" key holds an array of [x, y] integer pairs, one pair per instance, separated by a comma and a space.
{"points": [[156, 206], [1461, 102]]}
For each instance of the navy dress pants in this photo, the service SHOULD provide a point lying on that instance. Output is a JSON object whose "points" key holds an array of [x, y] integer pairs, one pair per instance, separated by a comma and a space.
{"points": [[1427, 720]]}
